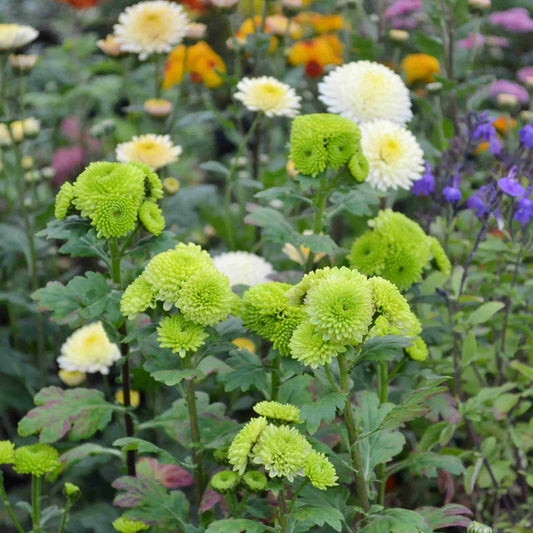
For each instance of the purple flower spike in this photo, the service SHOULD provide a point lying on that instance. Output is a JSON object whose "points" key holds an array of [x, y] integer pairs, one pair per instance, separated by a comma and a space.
{"points": [[524, 208], [452, 194], [475, 202], [426, 184], [526, 135], [509, 185]]}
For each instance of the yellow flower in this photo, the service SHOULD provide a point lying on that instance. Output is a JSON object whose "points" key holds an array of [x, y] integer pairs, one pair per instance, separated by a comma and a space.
{"points": [[14, 36], [175, 67], [321, 23], [300, 255], [110, 46], [156, 151], [316, 53], [135, 397], [204, 63], [21, 129], [72, 378], [291, 169], [249, 27], [420, 68], [242, 342], [88, 349]]}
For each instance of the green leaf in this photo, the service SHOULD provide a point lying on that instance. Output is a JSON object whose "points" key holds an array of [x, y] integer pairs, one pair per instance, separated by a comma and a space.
{"points": [[484, 312], [237, 525], [451, 515], [387, 348], [324, 409], [215, 166], [525, 370], [78, 412], [426, 464], [319, 515], [275, 225], [78, 453], [398, 521], [246, 371], [358, 201], [318, 243], [173, 377]]}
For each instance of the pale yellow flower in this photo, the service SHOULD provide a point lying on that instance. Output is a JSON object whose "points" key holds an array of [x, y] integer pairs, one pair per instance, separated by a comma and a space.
{"points": [[301, 255], [135, 397], [15, 35], [22, 62], [156, 151], [110, 46], [73, 378], [158, 107]]}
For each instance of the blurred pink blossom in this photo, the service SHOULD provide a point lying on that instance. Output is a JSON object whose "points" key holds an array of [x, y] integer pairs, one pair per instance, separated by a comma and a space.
{"points": [[403, 7], [480, 40], [516, 20], [65, 162], [525, 75], [172, 476], [509, 87]]}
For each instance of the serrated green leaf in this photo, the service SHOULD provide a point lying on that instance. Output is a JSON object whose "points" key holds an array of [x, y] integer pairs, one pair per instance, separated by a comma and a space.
{"points": [[275, 226], [78, 412], [236, 525], [247, 371], [319, 515], [143, 446], [398, 521], [324, 409]]}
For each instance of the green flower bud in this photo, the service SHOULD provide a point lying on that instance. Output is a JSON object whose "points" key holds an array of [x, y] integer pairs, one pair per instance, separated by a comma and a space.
{"points": [[225, 481], [64, 200], [180, 335], [476, 527], [152, 218], [125, 525], [320, 471], [279, 412], [72, 492], [255, 481]]}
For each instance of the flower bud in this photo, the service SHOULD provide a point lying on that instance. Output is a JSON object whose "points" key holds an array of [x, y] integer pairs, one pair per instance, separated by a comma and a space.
{"points": [[135, 397], [255, 481], [399, 36], [196, 30], [71, 378], [158, 107], [476, 527], [110, 46], [507, 101], [434, 87], [171, 185], [71, 491], [479, 4], [225, 481], [23, 62], [102, 128], [27, 162]]}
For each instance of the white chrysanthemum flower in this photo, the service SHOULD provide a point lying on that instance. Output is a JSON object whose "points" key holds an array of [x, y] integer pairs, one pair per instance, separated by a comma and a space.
{"points": [[244, 268], [269, 95], [394, 156], [156, 151], [364, 91], [88, 349], [151, 27], [15, 35]]}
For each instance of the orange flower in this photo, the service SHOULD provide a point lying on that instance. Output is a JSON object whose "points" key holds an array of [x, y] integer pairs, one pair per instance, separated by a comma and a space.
{"points": [[204, 63], [200, 60], [277, 25], [420, 67], [321, 23], [248, 27], [503, 124], [81, 4], [316, 53]]}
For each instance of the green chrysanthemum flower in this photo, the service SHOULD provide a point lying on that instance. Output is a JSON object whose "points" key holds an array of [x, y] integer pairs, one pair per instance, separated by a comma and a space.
{"points": [[115, 216], [282, 450], [36, 459], [402, 267], [418, 351], [7, 452], [243, 443], [226, 481], [125, 525], [308, 345], [206, 297], [322, 139], [102, 180], [167, 271], [297, 293], [64, 199], [477, 527], [358, 166], [394, 314], [276, 411], [340, 306], [368, 253], [440, 257], [255, 481], [152, 218], [138, 296], [180, 335], [320, 471], [153, 187], [267, 312]]}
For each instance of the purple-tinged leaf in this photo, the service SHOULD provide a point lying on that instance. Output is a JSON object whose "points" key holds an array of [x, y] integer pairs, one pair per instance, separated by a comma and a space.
{"points": [[451, 515]]}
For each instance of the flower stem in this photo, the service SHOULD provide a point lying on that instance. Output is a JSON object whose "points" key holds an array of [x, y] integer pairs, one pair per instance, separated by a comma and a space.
{"points": [[353, 439], [36, 503], [195, 434], [318, 223], [116, 275], [383, 389], [275, 374], [7, 505], [64, 517], [282, 511]]}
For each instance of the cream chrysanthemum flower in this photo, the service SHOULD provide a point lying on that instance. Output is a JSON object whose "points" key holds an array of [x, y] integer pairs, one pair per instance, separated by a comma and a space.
{"points": [[155, 151], [244, 268], [269, 95], [365, 90], [151, 27], [88, 349], [15, 35], [394, 156]]}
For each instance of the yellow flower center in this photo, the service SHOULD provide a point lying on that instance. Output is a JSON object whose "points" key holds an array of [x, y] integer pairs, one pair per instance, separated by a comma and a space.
{"points": [[390, 151], [270, 94]]}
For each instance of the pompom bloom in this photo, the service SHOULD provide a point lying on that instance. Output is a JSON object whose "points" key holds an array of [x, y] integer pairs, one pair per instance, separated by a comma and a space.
{"points": [[394, 156], [15, 35], [37, 459], [320, 471], [281, 412], [244, 268], [268, 95], [180, 335], [151, 27], [88, 349], [420, 68], [7, 452], [244, 441], [364, 91], [125, 525], [155, 151]]}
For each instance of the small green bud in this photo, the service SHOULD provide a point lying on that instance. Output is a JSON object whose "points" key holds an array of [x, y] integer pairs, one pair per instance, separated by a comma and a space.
{"points": [[225, 481], [255, 481], [71, 491]]}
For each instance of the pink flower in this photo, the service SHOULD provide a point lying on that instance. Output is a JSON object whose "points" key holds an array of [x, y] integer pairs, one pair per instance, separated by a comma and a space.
{"points": [[472, 39], [516, 20], [172, 476], [525, 75], [66, 162], [509, 87], [403, 7]]}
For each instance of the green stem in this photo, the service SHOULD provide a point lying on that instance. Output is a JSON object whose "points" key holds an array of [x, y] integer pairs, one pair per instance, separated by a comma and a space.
{"points": [[275, 378], [36, 503], [64, 518], [353, 439], [296, 494], [195, 434], [3, 84], [230, 184], [116, 275], [7, 505], [318, 224], [283, 514], [383, 390]]}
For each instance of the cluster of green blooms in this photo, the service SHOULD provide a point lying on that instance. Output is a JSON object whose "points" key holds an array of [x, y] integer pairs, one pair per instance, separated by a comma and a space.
{"points": [[185, 278], [114, 196], [327, 311], [125, 525], [397, 249], [36, 459], [280, 448], [322, 140]]}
